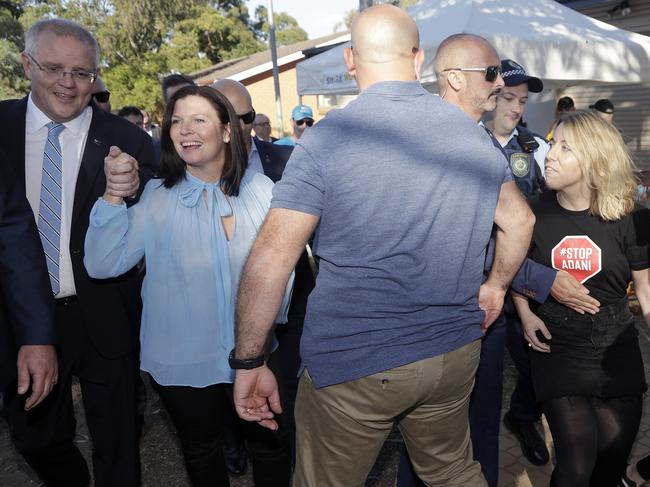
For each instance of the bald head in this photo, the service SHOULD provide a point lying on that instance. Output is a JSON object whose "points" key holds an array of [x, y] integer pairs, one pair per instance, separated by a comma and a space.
{"points": [[236, 93], [461, 65], [462, 50], [385, 46], [384, 34], [240, 99]]}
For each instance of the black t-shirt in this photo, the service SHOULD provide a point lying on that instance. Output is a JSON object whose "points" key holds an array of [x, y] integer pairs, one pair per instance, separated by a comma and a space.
{"points": [[599, 254]]}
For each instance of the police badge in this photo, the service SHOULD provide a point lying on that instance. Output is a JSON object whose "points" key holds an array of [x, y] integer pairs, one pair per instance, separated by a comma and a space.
{"points": [[520, 164]]}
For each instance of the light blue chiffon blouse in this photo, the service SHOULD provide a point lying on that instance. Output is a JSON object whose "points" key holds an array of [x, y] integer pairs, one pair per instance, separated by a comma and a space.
{"points": [[192, 270]]}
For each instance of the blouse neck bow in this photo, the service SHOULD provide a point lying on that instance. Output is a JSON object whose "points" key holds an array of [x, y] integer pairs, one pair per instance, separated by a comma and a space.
{"points": [[192, 189]]}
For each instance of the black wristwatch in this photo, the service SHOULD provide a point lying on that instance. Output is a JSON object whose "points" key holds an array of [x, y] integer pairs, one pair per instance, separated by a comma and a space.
{"points": [[244, 363]]}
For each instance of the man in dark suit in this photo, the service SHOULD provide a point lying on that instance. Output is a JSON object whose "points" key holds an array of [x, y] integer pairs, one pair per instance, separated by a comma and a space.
{"points": [[263, 157], [262, 127], [58, 143], [27, 356], [273, 157]]}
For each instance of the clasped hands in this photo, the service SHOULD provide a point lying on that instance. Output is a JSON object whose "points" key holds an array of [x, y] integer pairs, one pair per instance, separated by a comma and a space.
{"points": [[122, 177]]}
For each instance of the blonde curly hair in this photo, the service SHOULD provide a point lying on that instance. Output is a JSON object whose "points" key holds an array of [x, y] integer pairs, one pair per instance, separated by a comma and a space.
{"points": [[605, 162]]}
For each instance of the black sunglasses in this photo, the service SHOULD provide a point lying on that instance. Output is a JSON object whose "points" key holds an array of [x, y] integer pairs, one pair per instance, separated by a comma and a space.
{"points": [[248, 118], [102, 96], [307, 121], [491, 72]]}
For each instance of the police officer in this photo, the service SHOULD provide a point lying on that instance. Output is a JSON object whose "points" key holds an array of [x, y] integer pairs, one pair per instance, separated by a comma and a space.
{"points": [[526, 153], [524, 149]]}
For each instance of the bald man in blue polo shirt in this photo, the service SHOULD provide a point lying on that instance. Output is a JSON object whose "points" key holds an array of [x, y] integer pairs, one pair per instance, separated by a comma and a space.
{"points": [[393, 326]]}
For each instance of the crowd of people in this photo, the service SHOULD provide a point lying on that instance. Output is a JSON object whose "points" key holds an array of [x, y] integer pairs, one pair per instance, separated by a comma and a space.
{"points": [[293, 300]]}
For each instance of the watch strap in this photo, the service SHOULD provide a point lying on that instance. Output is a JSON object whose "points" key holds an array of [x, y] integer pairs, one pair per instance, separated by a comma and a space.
{"points": [[244, 363]]}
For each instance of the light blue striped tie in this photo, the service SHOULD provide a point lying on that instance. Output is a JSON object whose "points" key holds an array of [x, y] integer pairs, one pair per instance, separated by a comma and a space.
{"points": [[49, 211]]}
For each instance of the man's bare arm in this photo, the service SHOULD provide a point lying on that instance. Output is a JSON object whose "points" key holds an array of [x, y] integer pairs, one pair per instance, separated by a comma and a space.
{"points": [[514, 222], [273, 256]]}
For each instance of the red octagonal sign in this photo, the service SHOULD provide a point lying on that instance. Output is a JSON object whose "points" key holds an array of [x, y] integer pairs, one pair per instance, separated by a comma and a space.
{"points": [[578, 255]]}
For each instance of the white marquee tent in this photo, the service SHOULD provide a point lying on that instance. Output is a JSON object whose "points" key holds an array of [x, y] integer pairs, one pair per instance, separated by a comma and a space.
{"points": [[554, 42]]}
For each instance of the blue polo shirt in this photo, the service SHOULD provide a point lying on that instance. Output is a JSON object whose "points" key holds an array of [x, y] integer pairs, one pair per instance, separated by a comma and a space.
{"points": [[405, 186]]}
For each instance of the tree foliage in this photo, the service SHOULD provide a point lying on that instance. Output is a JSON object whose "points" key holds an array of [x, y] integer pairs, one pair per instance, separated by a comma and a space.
{"points": [[12, 79], [142, 40], [287, 30], [350, 15]]}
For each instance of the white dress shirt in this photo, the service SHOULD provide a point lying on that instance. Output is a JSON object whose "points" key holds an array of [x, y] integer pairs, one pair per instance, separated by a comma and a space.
{"points": [[73, 141]]}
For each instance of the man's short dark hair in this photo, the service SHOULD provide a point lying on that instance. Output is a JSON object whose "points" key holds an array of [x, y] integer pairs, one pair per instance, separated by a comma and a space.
{"points": [[175, 79], [565, 104], [129, 110]]}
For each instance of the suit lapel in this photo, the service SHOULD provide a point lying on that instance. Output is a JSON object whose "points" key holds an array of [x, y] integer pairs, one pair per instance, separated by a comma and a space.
{"points": [[264, 157], [92, 161]]}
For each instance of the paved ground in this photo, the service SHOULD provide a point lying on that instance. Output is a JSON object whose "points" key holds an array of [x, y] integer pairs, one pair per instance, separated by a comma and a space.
{"points": [[162, 463]]}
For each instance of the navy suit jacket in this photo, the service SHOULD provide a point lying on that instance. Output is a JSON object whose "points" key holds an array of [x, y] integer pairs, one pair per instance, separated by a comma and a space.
{"points": [[274, 158], [26, 304], [534, 280], [110, 307]]}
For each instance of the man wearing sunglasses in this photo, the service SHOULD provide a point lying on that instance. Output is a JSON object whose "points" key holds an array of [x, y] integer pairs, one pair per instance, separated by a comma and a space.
{"points": [[263, 157], [471, 77], [302, 117], [262, 127], [101, 95]]}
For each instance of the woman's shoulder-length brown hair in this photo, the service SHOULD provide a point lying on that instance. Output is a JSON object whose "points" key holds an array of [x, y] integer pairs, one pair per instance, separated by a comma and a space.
{"points": [[172, 167]]}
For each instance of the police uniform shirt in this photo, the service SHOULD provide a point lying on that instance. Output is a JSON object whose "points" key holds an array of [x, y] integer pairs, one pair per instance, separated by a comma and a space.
{"points": [[539, 154]]}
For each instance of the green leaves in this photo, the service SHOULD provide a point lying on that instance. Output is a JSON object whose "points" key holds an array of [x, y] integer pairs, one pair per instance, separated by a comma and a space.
{"points": [[143, 40], [287, 30]]}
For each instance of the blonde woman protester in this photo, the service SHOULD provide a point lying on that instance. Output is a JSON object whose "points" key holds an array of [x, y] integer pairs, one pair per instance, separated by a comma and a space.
{"points": [[195, 226], [587, 369]]}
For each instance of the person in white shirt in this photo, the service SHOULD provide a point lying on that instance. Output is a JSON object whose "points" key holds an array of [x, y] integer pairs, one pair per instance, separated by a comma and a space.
{"points": [[57, 140]]}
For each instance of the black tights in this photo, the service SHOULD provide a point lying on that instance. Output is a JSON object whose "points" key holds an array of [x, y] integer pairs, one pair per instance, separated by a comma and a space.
{"points": [[592, 437]]}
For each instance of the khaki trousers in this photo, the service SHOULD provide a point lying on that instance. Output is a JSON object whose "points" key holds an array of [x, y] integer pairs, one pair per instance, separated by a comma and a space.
{"points": [[341, 428]]}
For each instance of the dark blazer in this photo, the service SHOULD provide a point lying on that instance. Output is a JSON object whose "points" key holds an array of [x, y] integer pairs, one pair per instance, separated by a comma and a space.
{"points": [[274, 158], [110, 307], [26, 304], [534, 280]]}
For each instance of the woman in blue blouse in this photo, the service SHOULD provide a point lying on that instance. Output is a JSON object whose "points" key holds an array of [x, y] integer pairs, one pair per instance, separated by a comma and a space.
{"points": [[194, 226]]}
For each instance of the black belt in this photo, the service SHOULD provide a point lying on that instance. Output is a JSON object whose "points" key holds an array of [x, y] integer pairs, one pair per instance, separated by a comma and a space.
{"points": [[68, 300]]}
